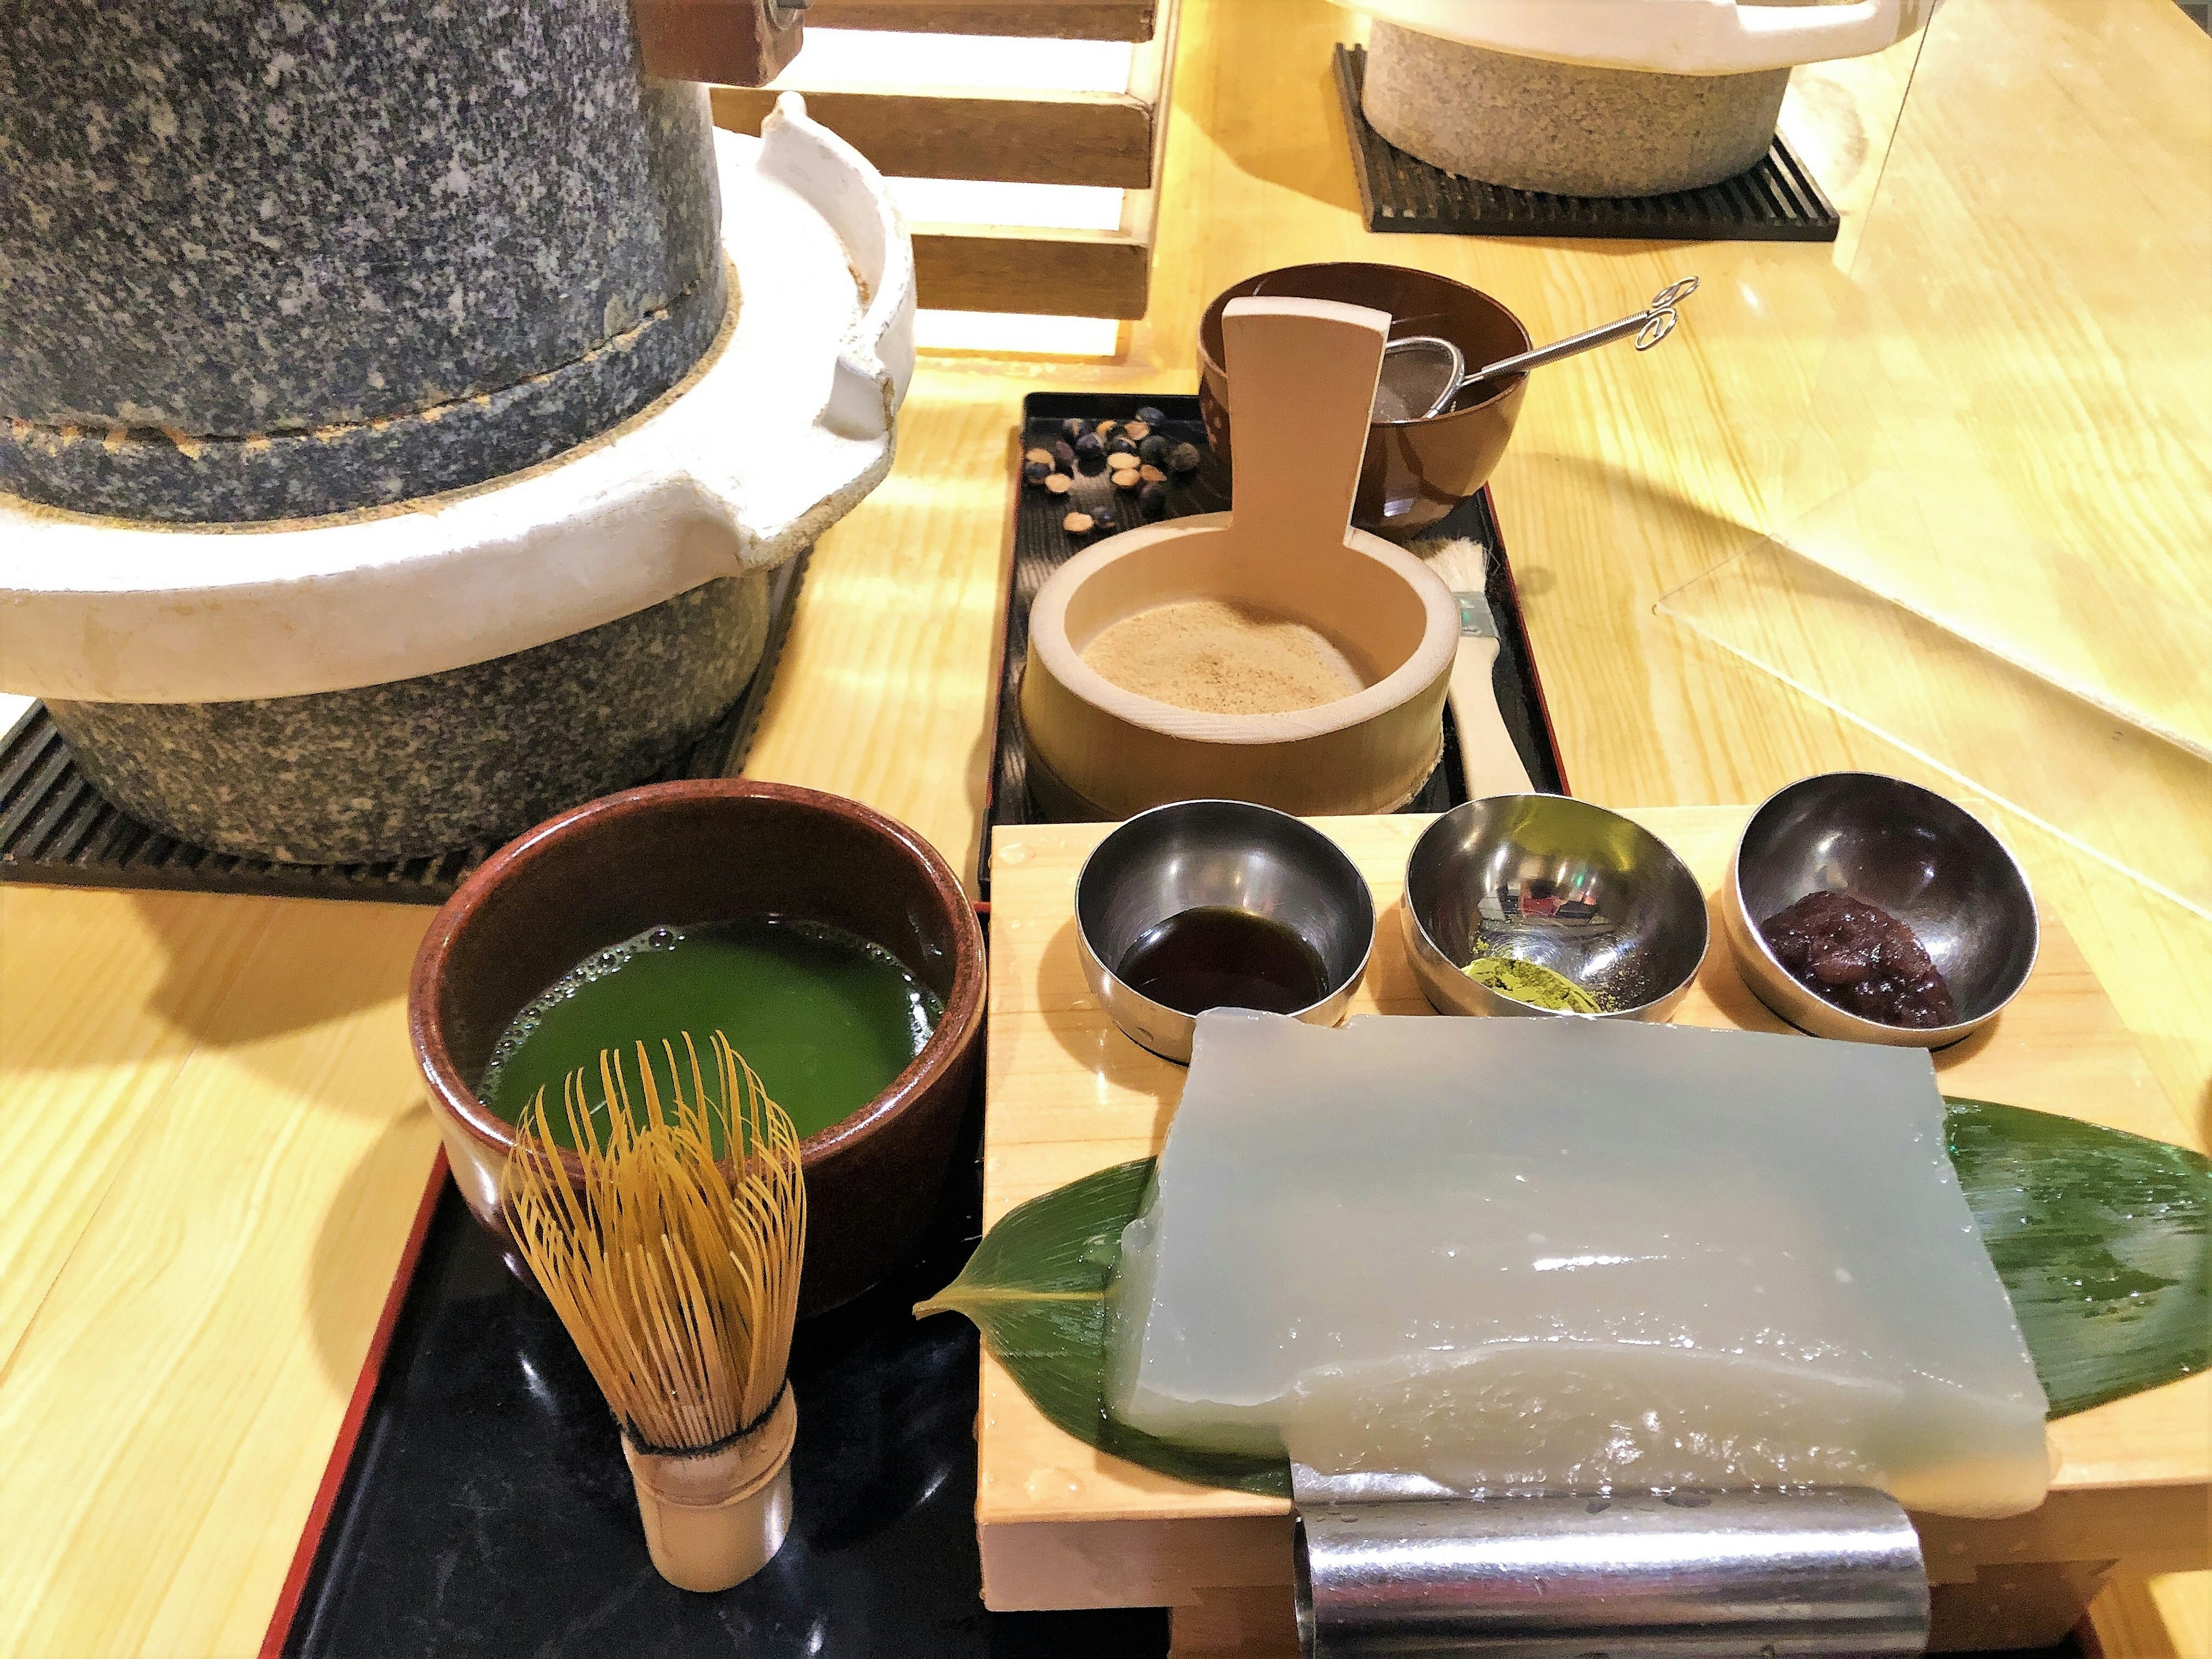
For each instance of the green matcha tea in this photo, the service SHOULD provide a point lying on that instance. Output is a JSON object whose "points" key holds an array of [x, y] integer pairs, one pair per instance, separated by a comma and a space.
{"points": [[826, 1018]]}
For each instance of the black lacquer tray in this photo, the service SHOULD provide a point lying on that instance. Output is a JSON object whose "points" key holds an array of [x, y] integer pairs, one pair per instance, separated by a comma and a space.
{"points": [[485, 1508], [477, 1501], [1041, 547]]}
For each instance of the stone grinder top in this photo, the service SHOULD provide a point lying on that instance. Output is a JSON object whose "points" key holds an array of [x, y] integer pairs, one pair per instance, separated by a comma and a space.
{"points": [[266, 260], [779, 428]]}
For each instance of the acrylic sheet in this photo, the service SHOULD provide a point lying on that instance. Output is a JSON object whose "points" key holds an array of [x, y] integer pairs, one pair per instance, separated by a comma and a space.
{"points": [[1992, 544]]}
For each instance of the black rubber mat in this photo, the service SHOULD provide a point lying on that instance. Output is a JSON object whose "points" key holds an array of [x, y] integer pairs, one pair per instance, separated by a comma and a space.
{"points": [[1041, 546], [1777, 200], [56, 829]]}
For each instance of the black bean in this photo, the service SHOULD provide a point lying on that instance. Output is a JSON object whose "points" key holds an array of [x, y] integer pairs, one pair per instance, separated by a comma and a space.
{"points": [[1064, 453], [1153, 498], [1119, 444], [1150, 417], [1036, 473], [1090, 446], [1072, 429]]}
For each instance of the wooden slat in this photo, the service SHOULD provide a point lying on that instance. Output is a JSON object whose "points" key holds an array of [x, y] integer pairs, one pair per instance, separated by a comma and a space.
{"points": [[1052, 273], [1074, 273], [1017, 137], [1067, 138], [1047, 137], [1058, 20]]}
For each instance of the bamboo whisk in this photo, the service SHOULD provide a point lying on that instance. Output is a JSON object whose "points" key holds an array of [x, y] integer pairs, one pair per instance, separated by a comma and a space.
{"points": [[677, 1279], [676, 1273]]}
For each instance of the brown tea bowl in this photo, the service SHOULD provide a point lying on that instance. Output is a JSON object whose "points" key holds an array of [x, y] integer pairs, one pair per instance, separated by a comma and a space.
{"points": [[703, 851], [1414, 472]]}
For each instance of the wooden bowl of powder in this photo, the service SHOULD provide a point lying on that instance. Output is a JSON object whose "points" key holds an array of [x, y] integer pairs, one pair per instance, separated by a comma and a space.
{"points": [[1271, 654], [1414, 472]]}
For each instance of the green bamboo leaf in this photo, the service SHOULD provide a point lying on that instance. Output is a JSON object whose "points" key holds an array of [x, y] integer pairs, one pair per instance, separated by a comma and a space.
{"points": [[1036, 1289], [2100, 1238], [2103, 1240]]}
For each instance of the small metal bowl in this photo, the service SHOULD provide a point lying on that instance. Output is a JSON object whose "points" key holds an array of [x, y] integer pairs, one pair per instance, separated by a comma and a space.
{"points": [[1561, 883], [1193, 853], [1924, 860]]}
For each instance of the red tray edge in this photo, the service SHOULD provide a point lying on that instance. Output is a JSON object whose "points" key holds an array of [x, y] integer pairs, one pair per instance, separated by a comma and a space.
{"points": [[364, 1389]]}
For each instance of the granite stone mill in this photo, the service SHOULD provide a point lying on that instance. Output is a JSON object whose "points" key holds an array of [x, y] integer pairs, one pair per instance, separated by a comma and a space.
{"points": [[404, 404]]}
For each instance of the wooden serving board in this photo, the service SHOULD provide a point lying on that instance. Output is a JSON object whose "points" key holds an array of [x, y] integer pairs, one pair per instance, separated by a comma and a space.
{"points": [[1062, 1525]]}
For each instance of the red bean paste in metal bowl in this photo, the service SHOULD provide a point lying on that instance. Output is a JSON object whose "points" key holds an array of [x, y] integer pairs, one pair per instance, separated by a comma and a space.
{"points": [[1861, 959]]}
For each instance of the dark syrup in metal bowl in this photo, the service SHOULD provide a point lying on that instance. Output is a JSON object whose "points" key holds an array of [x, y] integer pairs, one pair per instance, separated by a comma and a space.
{"points": [[1218, 956]]}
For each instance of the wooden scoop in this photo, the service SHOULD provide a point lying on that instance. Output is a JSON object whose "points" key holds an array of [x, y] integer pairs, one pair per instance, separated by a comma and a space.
{"points": [[1302, 378]]}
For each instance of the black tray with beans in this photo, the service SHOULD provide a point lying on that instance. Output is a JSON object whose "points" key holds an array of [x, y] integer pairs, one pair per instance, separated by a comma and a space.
{"points": [[1093, 464]]}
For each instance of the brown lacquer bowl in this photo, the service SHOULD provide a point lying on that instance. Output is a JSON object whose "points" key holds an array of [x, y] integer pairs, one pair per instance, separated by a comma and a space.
{"points": [[715, 850], [1414, 472]]}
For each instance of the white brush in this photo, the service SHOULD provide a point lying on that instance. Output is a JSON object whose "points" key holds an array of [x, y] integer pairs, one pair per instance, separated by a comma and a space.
{"points": [[1486, 754]]}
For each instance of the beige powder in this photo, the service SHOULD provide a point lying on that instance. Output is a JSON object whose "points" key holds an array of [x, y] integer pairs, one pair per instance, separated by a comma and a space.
{"points": [[1222, 658]]}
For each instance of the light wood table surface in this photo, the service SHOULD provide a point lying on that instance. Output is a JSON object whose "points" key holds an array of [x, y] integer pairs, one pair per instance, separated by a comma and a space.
{"points": [[219, 1141]]}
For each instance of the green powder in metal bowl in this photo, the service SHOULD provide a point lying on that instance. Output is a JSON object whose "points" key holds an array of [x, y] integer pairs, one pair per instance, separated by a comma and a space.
{"points": [[1531, 982]]}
